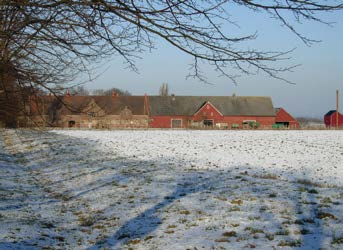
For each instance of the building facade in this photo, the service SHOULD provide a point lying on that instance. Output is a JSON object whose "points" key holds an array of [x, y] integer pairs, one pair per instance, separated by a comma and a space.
{"points": [[223, 112], [333, 119], [115, 112], [284, 120]]}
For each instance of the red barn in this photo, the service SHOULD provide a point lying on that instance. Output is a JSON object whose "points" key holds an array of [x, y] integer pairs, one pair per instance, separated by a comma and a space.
{"points": [[284, 119], [330, 119], [210, 111]]}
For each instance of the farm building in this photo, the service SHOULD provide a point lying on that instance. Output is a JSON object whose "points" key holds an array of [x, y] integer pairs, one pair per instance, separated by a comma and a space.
{"points": [[284, 120], [222, 112], [330, 119], [90, 112], [210, 111]]}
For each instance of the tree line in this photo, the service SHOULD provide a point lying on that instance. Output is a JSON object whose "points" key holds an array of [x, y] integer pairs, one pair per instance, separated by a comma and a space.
{"points": [[83, 91]]}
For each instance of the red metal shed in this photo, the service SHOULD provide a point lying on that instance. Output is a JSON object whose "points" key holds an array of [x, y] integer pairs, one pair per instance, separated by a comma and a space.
{"points": [[285, 119], [330, 119]]}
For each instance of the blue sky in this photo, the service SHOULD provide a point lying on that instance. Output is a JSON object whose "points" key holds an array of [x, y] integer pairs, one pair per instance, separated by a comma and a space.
{"points": [[317, 78]]}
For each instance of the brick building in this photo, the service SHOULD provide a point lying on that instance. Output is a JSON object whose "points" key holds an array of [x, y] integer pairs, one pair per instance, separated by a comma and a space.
{"points": [[111, 112]]}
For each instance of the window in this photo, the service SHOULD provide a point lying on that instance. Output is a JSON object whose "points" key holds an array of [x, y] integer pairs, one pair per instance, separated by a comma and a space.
{"points": [[91, 114], [71, 124], [176, 123], [208, 123], [250, 124]]}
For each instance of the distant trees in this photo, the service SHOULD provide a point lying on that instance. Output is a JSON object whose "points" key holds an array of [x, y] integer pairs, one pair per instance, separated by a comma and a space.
{"points": [[108, 92], [79, 90], [83, 91], [164, 89]]}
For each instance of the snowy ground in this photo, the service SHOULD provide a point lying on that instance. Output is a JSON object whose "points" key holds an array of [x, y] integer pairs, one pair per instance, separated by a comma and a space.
{"points": [[171, 189]]}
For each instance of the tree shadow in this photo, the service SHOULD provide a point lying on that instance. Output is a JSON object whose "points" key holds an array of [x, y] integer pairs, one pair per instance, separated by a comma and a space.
{"points": [[177, 184]]}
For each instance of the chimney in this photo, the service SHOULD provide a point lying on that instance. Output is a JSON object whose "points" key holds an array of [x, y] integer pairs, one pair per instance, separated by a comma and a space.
{"points": [[337, 107]]}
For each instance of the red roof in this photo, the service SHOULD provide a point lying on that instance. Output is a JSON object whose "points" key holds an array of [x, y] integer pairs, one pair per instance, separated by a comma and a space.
{"points": [[283, 116]]}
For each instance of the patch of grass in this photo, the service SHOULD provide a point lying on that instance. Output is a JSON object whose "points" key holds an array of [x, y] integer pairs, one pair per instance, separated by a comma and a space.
{"points": [[270, 236], [272, 195], [86, 221], [309, 220], [242, 238], [211, 228], [182, 220], [99, 226], [237, 202], [326, 200], [221, 198], [312, 191], [234, 209], [337, 240], [229, 234], [299, 222], [282, 232], [315, 184], [263, 209], [148, 238], [59, 238], [324, 215], [290, 243], [267, 176], [285, 211], [304, 231], [256, 231], [235, 224], [306, 182], [134, 241], [286, 222], [47, 225], [123, 236], [222, 240], [254, 217], [185, 212]]}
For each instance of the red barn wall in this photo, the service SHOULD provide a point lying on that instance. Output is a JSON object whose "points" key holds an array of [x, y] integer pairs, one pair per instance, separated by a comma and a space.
{"points": [[208, 112], [330, 120], [283, 116], [265, 121], [165, 121]]}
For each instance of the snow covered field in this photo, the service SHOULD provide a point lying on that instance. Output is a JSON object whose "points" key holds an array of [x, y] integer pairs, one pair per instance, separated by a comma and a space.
{"points": [[69, 189]]}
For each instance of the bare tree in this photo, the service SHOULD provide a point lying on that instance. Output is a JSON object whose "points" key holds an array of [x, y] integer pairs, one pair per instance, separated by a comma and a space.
{"points": [[45, 44], [164, 89]]}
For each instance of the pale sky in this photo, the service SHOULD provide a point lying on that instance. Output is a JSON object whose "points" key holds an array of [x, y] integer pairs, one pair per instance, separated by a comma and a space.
{"points": [[318, 77]]}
